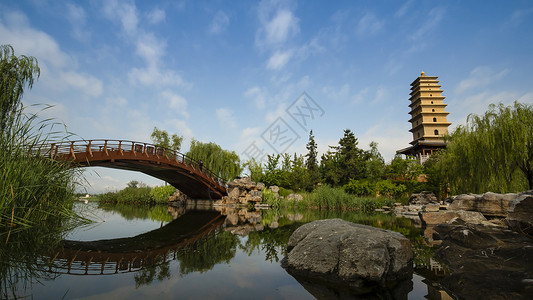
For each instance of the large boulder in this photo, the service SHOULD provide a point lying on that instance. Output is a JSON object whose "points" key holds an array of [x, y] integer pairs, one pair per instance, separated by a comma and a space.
{"points": [[431, 218], [489, 204], [520, 213], [349, 256]]}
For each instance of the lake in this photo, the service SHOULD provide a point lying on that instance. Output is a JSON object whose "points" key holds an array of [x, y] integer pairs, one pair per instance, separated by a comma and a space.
{"points": [[196, 252]]}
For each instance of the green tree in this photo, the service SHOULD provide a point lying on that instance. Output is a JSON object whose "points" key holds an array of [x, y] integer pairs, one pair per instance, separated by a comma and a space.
{"points": [[16, 73], [330, 167], [403, 168], [223, 163], [352, 160], [162, 139], [311, 162], [255, 169], [375, 165], [492, 152]]}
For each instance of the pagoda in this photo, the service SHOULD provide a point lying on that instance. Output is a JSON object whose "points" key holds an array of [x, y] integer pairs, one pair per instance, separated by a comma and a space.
{"points": [[428, 118]]}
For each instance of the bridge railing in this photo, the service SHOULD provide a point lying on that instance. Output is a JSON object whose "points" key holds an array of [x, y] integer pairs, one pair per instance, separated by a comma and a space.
{"points": [[71, 148]]}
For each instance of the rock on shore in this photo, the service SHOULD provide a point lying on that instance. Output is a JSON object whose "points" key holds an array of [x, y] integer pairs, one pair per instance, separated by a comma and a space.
{"points": [[351, 257]]}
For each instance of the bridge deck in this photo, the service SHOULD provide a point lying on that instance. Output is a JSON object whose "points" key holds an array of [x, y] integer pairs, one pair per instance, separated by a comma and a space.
{"points": [[173, 167]]}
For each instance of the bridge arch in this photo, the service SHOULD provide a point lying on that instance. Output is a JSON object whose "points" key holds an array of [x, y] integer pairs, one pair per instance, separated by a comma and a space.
{"points": [[174, 167]]}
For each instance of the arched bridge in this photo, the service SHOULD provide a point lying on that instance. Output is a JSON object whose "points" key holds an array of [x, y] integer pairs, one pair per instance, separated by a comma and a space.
{"points": [[176, 168]]}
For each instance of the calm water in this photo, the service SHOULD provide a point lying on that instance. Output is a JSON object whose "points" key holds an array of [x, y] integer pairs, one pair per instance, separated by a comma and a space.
{"points": [[168, 253]]}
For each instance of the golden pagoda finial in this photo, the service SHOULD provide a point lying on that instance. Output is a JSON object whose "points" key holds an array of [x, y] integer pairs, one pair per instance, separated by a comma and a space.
{"points": [[422, 74]]}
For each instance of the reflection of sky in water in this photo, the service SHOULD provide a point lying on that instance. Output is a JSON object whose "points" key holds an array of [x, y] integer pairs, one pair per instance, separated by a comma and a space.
{"points": [[244, 277], [108, 225]]}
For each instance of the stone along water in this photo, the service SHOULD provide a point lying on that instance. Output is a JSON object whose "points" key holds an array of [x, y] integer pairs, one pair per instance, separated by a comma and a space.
{"points": [[165, 252]]}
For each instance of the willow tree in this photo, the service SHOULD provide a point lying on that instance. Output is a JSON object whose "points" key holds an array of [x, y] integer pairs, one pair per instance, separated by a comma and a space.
{"points": [[492, 152], [223, 163], [16, 74]]}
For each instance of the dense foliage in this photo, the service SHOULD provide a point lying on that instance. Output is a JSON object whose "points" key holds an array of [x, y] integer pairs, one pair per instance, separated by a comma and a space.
{"points": [[223, 163], [162, 139], [492, 152], [138, 193], [360, 172]]}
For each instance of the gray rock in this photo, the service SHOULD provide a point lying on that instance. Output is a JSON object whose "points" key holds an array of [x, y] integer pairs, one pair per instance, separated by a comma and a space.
{"points": [[489, 204], [260, 186], [295, 197], [440, 217], [423, 198], [348, 255], [274, 188], [520, 214]]}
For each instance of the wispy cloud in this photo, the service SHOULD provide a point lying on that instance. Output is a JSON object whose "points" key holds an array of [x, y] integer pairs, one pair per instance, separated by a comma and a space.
{"points": [[257, 95], [225, 117], [369, 24], [279, 59], [77, 18], [220, 23], [175, 102], [432, 20], [147, 46], [278, 23], [156, 16], [480, 77]]}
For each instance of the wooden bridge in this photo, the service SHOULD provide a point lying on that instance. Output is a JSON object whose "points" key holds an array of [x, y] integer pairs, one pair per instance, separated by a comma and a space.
{"points": [[182, 172]]}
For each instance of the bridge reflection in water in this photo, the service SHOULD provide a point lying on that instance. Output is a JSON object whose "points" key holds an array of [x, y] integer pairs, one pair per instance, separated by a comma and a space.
{"points": [[122, 255]]}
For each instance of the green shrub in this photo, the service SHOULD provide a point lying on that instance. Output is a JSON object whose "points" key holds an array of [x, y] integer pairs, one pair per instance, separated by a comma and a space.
{"points": [[360, 187], [271, 198], [160, 194], [285, 192], [389, 189]]}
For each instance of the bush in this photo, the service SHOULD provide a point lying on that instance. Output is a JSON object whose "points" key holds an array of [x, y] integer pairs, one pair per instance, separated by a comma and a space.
{"points": [[271, 198], [387, 188], [360, 187], [161, 194]]}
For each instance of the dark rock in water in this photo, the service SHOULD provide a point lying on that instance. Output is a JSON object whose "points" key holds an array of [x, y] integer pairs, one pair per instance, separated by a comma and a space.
{"points": [[423, 198], [352, 258], [486, 262]]}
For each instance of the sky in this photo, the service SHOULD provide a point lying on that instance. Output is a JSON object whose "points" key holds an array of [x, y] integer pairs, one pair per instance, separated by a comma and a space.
{"points": [[256, 76]]}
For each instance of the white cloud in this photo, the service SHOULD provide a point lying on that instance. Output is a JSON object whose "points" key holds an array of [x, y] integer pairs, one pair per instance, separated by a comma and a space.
{"points": [[481, 76], [87, 83], [369, 25], [77, 18], [278, 23], [176, 102], [225, 117], [337, 93], [279, 59], [28, 41], [182, 128], [220, 23], [433, 18], [519, 16], [125, 12], [257, 95], [156, 16], [404, 9]]}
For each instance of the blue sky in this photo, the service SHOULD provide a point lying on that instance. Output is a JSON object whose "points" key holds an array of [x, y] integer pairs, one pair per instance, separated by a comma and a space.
{"points": [[225, 71]]}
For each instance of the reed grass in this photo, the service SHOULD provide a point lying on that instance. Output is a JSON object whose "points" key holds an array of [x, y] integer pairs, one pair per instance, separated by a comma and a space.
{"points": [[34, 188]]}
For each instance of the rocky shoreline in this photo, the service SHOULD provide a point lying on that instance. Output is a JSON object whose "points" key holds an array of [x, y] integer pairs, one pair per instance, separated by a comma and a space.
{"points": [[485, 240]]}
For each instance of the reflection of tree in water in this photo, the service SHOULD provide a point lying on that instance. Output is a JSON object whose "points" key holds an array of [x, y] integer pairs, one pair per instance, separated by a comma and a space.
{"points": [[272, 242], [219, 247], [160, 270], [20, 256], [130, 212], [216, 248]]}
